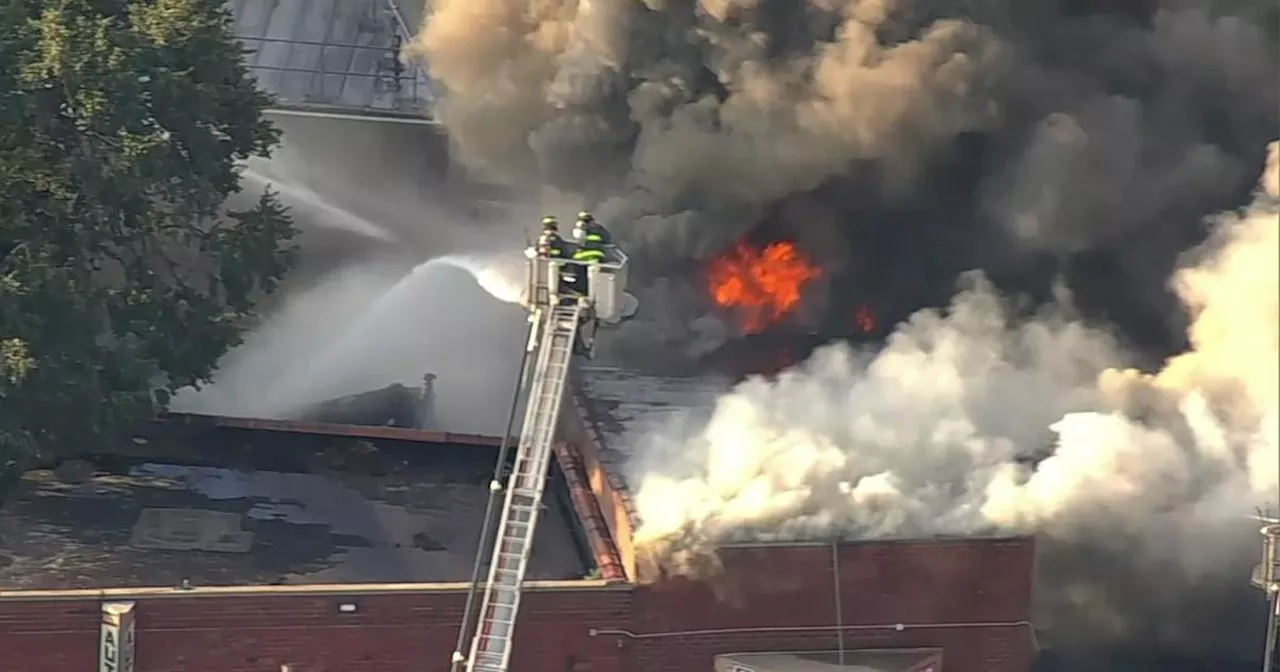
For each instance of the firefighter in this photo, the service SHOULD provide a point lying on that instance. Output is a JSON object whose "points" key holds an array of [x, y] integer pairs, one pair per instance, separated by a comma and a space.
{"points": [[550, 244], [592, 239], [590, 233], [592, 243]]}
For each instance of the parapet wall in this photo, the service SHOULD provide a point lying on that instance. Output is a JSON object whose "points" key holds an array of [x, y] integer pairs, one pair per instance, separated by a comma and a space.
{"points": [[311, 630], [611, 494], [969, 598]]}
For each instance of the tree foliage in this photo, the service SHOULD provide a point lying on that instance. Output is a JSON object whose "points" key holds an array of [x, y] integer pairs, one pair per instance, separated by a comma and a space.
{"points": [[122, 123]]}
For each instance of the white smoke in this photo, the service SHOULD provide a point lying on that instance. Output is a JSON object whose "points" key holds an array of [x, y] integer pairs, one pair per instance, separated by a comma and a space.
{"points": [[367, 326], [902, 441], [926, 435]]}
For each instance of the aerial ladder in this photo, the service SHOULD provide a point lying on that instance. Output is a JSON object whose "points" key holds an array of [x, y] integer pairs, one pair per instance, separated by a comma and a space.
{"points": [[560, 320]]}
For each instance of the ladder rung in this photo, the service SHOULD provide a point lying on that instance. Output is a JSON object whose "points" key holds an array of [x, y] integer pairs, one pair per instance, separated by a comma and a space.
{"points": [[504, 617], [490, 639], [492, 621], [507, 608]]}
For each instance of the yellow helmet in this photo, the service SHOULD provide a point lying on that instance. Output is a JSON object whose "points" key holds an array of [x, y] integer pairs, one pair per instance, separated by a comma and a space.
{"points": [[585, 217], [549, 223]]}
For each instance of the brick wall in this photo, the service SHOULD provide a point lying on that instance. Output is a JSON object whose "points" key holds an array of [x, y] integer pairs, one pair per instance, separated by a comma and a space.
{"points": [[971, 598], [615, 506], [967, 597], [389, 633]]}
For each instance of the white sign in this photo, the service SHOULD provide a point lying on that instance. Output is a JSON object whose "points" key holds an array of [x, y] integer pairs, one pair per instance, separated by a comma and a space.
{"points": [[115, 649]]}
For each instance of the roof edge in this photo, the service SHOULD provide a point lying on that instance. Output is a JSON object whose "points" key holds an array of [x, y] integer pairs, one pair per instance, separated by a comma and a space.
{"points": [[591, 434], [841, 541], [337, 589], [330, 429], [587, 509]]}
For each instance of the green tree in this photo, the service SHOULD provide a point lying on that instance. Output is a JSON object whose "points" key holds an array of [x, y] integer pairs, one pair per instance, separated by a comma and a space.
{"points": [[122, 123]]}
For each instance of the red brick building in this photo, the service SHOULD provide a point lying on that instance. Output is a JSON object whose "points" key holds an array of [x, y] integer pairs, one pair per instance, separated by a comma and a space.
{"points": [[356, 568]]}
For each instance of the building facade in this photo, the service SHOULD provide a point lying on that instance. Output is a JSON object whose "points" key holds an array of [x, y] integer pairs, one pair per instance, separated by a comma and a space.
{"points": [[968, 600]]}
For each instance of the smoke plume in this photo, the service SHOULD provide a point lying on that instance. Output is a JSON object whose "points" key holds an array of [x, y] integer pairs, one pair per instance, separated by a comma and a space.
{"points": [[902, 143], [979, 419]]}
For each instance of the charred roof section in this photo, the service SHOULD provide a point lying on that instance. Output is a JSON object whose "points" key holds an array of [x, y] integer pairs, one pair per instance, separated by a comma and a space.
{"points": [[216, 505]]}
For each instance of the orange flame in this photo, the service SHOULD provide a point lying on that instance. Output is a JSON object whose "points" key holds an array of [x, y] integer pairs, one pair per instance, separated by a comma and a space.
{"points": [[761, 285]]}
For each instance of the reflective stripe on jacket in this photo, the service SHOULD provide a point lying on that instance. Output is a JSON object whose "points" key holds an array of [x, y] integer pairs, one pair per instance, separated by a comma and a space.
{"points": [[552, 245], [589, 254]]}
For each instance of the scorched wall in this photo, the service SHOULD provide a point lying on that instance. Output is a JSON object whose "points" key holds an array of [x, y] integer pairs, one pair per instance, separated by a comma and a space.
{"points": [[969, 597]]}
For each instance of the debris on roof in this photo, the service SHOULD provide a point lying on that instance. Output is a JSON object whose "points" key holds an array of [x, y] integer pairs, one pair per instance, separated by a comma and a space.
{"points": [[392, 406], [295, 517]]}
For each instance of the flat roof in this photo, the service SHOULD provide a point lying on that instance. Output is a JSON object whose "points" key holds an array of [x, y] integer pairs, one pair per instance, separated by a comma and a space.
{"points": [[277, 509], [624, 406]]}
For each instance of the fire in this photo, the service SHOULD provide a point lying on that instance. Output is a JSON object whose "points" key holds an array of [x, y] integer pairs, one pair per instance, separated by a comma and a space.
{"points": [[761, 285]]}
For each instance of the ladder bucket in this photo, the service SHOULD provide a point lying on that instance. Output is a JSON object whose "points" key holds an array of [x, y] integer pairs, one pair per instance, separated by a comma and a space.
{"points": [[606, 284]]}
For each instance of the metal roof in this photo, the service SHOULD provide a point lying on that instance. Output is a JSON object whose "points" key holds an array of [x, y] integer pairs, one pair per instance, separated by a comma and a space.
{"points": [[334, 56]]}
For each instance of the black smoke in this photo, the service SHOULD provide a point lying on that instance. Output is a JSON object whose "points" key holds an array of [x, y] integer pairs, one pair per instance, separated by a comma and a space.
{"points": [[901, 143]]}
